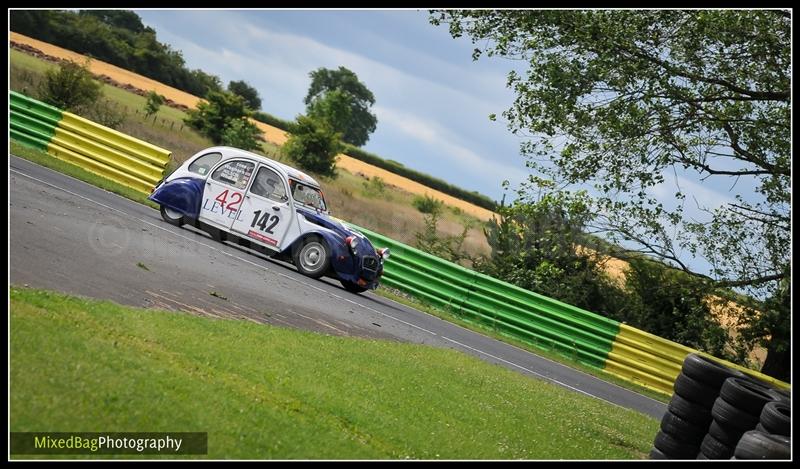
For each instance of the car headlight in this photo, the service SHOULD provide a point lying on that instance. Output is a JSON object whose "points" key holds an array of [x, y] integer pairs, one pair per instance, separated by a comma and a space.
{"points": [[351, 241], [383, 253]]}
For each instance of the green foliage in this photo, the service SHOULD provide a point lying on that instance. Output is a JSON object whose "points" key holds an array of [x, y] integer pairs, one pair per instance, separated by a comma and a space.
{"points": [[105, 112], [153, 104], [449, 247], [272, 120], [424, 179], [666, 303], [313, 145], [212, 117], [70, 87], [117, 37], [376, 187], [622, 99], [338, 97], [427, 204], [534, 246], [247, 92], [241, 133]]}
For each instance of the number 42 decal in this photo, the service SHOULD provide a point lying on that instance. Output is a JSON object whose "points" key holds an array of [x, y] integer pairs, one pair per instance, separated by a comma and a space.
{"points": [[262, 222]]}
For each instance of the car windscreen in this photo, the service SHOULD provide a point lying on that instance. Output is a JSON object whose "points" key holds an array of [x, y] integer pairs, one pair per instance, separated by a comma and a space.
{"points": [[307, 195]]}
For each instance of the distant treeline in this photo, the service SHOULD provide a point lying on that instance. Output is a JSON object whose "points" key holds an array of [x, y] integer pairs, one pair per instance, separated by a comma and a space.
{"points": [[117, 37]]}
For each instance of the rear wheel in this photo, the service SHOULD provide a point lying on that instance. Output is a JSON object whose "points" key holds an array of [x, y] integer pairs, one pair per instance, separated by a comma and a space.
{"points": [[312, 258], [173, 217], [352, 287]]}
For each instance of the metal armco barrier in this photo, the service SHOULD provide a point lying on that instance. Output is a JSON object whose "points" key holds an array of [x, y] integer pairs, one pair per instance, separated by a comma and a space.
{"points": [[621, 350], [95, 148], [506, 308]]}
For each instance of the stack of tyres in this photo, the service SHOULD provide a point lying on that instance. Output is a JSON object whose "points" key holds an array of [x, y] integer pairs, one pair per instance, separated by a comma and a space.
{"points": [[686, 422], [770, 439], [736, 411]]}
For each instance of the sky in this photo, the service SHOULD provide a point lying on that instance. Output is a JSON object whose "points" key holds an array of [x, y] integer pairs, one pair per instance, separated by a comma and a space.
{"points": [[432, 100]]}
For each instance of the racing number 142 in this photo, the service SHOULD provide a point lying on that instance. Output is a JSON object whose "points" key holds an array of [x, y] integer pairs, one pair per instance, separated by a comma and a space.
{"points": [[262, 223]]}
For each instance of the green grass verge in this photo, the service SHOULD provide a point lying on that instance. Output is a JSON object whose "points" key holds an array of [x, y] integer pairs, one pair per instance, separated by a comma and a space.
{"points": [[269, 392], [45, 159], [402, 298]]}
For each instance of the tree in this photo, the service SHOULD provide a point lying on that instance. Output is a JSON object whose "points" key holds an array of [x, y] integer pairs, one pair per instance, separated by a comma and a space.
{"points": [[241, 133], [247, 92], [623, 98], [535, 245], [313, 145], [212, 116], [359, 123], [70, 87], [153, 104], [334, 107]]}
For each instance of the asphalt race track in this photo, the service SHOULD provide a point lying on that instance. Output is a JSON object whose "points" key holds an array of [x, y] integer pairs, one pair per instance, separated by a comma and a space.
{"points": [[69, 236]]}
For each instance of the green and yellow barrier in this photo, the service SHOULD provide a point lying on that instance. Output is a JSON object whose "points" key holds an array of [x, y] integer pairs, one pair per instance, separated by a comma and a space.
{"points": [[619, 349], [98, 149]]}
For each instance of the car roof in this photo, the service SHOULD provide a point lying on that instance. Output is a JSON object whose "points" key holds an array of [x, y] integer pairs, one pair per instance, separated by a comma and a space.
{"points": [[231, 152]]}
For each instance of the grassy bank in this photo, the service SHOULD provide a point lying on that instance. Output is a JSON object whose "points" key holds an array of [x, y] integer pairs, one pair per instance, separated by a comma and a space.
{"points": [[267, 392]]}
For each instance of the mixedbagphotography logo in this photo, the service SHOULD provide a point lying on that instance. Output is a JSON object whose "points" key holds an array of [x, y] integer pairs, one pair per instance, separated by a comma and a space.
{"points": [[109, 443]]}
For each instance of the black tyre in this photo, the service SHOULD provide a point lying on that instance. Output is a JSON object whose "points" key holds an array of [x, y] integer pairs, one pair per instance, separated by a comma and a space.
{"points": [[745, 395], [682, 429], [675, 449], [656, 453], [715, 449], [173, 217], [761, 428], [707, 371], [776, 418], [689, 411], [725, 433], [312, 257], [758, 445], [695, 391], [352, 287], [727, 415]]}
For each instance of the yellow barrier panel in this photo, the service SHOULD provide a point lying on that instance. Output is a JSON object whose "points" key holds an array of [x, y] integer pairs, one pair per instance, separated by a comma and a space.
{"points": [[646, 359], [654, 362], [98, 168], [108, 156], [114, 139]]}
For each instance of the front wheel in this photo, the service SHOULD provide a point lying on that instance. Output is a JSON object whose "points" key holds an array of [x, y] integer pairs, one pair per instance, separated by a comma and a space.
{"points": [[352, 287], [171, 216], [311, 258]]}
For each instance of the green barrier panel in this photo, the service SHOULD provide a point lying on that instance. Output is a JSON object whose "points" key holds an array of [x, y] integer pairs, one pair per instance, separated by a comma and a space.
{"points": [[505, 308], [26, 105]]}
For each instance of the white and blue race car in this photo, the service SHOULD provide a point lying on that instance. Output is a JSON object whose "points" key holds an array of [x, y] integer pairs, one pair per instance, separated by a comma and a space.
{"points": [[240, 196]]}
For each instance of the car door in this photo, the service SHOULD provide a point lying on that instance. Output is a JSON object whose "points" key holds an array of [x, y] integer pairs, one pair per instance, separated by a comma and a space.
{"points": [[266, 214], [224, 192]]}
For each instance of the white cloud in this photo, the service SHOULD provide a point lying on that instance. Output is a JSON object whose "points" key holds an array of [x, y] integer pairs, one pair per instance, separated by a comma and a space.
{"points": [[432, 133]]}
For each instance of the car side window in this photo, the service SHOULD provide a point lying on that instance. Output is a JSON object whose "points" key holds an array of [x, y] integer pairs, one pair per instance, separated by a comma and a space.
{"points": [[234, 173], [269, 184], [204, 164]]}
